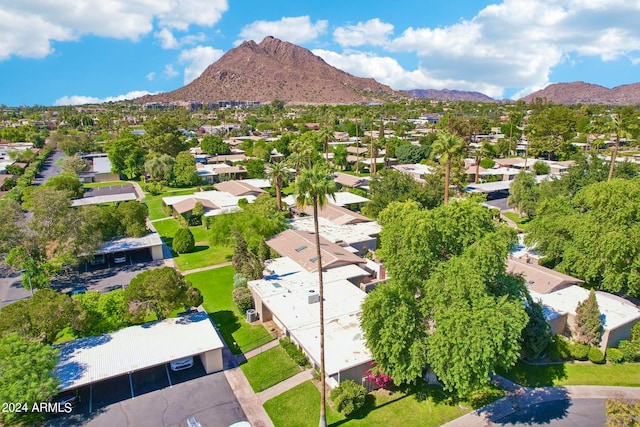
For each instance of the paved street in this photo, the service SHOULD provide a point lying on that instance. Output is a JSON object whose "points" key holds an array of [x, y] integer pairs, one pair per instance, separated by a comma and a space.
{"points": [[50, 168]]}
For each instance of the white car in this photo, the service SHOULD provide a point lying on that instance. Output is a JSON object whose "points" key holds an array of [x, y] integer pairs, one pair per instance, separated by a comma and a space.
{"points": [[180, 364], [119, 257]]}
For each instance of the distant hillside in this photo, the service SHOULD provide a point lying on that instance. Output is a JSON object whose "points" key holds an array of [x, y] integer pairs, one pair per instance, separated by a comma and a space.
{"points": [[275, 69], [587, 93], [448, 95]]}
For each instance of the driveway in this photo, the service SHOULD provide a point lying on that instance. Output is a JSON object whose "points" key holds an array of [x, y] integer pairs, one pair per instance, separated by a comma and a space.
{"points": [[50, 168], [208, 398]]}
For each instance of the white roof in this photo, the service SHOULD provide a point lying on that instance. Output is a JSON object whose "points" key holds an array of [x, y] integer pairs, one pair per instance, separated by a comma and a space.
{"points": [[218, 198], [343, 198], [92, 359], [348, 233], [110, 198], [258, 182], [286, 293], [616, 311], [130, 243], [101, 165]]}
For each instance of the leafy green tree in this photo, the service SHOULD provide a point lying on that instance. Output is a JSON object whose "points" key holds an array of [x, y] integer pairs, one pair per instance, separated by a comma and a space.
{"points": [[244, 260], [593, 236], [411, 154], [162, 135], [133, 217], [11, 225], [523, 193], [255, 168], [26, 376], [159, 292], [312, 187], [541, 168], [67, 182], [74, 165], [160, 167], [183, 241], [587, 322], [127, 156], [536, 336], [447, 148], [197, 214], [100, 313], [212, 144], [184, 170], [622, 413], [551, 131]]}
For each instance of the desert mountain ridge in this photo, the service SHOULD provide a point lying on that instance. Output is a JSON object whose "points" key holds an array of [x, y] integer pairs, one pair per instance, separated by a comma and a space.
{"points": [[587, 93]]}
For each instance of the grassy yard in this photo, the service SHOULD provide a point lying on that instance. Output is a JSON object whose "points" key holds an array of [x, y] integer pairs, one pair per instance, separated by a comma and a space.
{"points": [[523, 222], [154, 203], [203, 256], [269, 368], [216, 286], [611, 374], [104, 184], [167, 229], [300, 406]]}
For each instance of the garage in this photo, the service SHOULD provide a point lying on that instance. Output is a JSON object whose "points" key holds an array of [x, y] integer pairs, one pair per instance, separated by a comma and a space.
{"points": [[137, 360], [130, 250]]}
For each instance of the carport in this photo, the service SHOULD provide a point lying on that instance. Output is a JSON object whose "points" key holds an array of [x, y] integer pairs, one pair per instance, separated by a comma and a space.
{"points": [[151, 242], [113, 362]]}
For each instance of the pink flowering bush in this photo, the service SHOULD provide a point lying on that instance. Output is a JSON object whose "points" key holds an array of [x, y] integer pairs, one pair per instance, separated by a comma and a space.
{"points": [[375, 375]]}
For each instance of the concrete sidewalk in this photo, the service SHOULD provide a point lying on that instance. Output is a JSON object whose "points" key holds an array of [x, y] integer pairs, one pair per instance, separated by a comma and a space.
{"points": [[285, 385], [251, 405]]}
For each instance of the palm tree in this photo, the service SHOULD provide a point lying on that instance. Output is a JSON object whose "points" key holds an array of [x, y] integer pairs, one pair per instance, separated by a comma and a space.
{"points": [[615, 125], [447, 147], [278, 174], [326, 135], [313, 185]]}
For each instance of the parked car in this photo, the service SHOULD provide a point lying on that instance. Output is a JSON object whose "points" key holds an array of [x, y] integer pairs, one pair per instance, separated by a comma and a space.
{"points": [[79, 290], [119, 257], [180, 364], [98, 260]]}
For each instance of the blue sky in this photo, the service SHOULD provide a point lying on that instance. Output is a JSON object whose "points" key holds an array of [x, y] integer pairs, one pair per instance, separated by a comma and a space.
{"points": [[55, 52]]}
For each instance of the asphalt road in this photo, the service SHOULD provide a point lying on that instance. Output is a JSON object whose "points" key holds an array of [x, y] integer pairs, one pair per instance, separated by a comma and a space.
{"points": [[560, 413], [50, 168]]}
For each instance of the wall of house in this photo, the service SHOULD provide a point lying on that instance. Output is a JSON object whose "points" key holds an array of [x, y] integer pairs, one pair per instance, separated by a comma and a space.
{"points": [[613, 337], [355, 374], [362, 246], [559, 324], [263, 311], [212, 360], [156, 252]]}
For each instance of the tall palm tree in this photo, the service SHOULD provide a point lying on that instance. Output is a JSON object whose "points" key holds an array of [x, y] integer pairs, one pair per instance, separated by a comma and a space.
{"points": [[447, 147], [615, 126], [278, 175], [313, 185], [326, 135]]}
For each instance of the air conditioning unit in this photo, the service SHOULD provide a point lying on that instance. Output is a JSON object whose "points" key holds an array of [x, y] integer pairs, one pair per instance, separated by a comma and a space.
{"points": [[313, 297], [252, 315]]}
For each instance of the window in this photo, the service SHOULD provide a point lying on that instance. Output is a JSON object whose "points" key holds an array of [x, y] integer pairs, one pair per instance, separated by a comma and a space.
{"points": [[301, 248]]}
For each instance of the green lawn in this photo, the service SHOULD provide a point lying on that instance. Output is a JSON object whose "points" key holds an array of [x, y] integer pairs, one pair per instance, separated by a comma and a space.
{"points": [[300, 407], [523, 222], [167, 229], [269, 368], [203, 256], [154, 203], [103, 184], [611, 374], [216, 286]]}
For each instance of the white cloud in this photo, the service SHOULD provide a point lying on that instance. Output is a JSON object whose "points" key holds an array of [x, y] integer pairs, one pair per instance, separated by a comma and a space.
{"points": [[169, 71], [373, 32], [151, 76], [298, 29], [28, 28], [517, 43], [167, 40], [80, 99], [197, 60]]}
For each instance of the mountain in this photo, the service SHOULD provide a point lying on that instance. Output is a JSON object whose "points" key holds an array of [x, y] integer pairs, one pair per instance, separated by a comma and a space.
{"points": [[275, 69], [449, 95], [587, 93]]}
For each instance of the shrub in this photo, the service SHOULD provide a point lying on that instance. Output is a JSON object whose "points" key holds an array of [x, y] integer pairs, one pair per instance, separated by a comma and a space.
{"points": [[579, 351], [485, 396], [635, 332], [558, 348], [541, 168], [294, 352], [239, 281], [243, 299], [629, 350], [487, 163], [154, 188], [348, 397], [183, 241], [375, 375], [614, 355], [595, 355]]}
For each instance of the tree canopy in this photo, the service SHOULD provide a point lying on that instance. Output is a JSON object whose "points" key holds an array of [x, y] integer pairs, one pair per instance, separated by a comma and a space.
{"points": [[159, 292], [450, 304]]}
